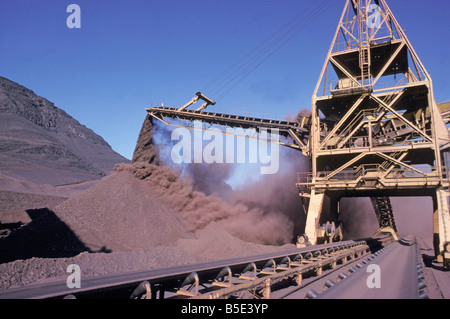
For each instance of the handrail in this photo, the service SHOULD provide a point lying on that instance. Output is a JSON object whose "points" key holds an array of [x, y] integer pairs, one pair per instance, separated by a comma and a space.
{"points": [[353, 174]]}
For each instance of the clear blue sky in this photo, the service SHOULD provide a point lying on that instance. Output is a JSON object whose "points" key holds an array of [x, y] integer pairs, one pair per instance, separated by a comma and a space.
{"points": [[129, 55]]}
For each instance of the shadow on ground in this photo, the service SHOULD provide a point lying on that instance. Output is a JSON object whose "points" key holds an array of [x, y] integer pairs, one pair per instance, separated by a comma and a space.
{"points": [[45, 236]]}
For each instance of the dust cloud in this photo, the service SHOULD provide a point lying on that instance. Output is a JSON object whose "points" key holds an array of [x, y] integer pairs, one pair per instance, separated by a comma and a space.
{"points": [[196, 210], [413, 216], [264, 209], [357, 217]]}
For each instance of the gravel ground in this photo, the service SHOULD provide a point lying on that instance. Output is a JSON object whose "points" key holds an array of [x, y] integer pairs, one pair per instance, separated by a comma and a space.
{"points": [[121, 224], [15, 201], [40, 270]]}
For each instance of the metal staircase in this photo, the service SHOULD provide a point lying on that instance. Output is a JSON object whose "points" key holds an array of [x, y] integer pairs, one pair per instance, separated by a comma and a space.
{"points": [[383, 211], [364, 46]]}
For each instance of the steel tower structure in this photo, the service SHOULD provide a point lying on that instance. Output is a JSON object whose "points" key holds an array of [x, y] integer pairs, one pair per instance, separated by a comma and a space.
{"points": [[376, 129]]}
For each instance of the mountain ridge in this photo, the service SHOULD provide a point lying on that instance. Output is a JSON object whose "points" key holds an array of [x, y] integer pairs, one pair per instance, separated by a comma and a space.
{"points": [[42, 144]]}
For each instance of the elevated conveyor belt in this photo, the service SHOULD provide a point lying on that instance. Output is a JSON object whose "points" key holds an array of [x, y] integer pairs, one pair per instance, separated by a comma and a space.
{"points": [[298, 131]]}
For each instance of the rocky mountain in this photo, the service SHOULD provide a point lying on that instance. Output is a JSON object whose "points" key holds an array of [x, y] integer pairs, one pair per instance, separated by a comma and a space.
{"points": [[145, 150], [42, 144]]}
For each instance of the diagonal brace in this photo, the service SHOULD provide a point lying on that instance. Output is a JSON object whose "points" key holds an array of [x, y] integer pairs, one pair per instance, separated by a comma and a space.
{"points": [[401, 117]]}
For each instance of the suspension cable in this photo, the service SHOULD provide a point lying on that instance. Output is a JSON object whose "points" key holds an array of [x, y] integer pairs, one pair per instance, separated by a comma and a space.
{"points": [[243, 59], [226, 81]]}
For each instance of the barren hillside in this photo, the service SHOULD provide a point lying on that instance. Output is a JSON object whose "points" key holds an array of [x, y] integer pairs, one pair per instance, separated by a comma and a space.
{"points": [[42, 144]]}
